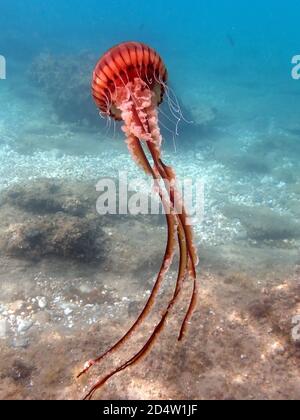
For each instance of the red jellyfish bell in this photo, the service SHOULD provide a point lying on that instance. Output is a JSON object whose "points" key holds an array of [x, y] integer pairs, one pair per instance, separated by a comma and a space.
{"points": [[129, 83]]}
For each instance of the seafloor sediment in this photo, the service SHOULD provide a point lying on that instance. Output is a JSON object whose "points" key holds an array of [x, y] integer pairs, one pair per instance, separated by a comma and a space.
{"points": [[58, 314], [59, 310]]}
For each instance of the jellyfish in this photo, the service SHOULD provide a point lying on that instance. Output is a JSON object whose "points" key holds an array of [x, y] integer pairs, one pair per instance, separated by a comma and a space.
{"points": [[129, 84]]}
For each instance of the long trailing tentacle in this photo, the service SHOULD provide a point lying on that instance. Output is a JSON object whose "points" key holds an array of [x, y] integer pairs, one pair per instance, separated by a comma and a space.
{"points": [[190, 311], [147, 123], [180, 279], [140, 157], [147, 347], [193, 261], [168, 174]]}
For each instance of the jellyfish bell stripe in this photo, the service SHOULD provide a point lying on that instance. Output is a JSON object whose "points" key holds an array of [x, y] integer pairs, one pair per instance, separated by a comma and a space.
{"points": [[122, 63]]}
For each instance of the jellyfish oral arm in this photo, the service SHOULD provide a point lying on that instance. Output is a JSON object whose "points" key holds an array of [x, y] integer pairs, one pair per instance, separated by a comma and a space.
{"points": [[140, 116]]}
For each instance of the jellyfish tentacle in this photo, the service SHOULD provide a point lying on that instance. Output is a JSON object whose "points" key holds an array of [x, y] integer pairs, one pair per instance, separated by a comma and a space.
{"points": [[169, 177], [168, 174], [193, 258], [190, 311], [182, 272], [147, 347], [141, 159]]}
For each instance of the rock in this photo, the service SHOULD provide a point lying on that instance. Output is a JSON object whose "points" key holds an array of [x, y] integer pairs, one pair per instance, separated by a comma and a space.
{"points": [[202, 114], [49, 197], [56, 219], [20, 372], [3, 328], [60, 235], [41, 318], [251, 164], [260, 308], [261, 223], [42, 302], [65, 80], [16, 306], [20, 342], [68, 311], [24, 325], [85, 289], [296, 330], [276, 349], [242, 161]]}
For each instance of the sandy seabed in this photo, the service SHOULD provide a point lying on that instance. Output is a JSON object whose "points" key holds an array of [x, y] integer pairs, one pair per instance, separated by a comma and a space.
{"points": [[239, 344]]}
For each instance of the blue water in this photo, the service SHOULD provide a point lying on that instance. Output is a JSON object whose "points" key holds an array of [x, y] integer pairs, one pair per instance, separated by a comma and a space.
{"points": [[265, 33], [230, 65], [223, 42]]}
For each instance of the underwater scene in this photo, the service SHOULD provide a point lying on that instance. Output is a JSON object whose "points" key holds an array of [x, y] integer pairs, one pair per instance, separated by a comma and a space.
{"points": [[149, 200]]}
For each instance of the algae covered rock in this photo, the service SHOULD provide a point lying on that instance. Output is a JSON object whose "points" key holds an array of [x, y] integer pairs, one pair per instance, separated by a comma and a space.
{"points": [[51, 218], [201, 114], [262, 223], [60, 235], [45, 196], [65, 79]]}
